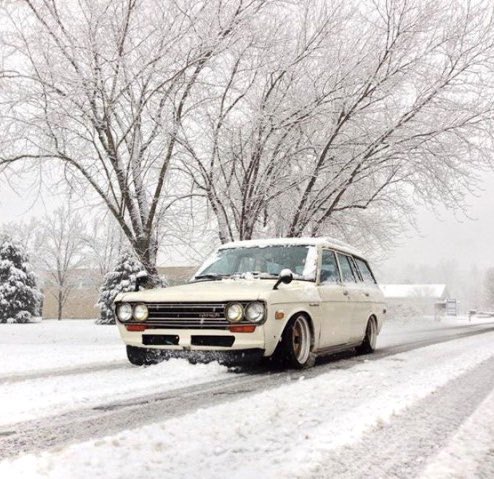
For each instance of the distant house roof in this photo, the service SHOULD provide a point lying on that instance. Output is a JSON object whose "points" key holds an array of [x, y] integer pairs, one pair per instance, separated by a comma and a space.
{"points": [[432, 291]]}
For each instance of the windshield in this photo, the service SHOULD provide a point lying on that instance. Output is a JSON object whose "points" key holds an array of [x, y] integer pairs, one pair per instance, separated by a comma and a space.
{"points": [[262, 262]]}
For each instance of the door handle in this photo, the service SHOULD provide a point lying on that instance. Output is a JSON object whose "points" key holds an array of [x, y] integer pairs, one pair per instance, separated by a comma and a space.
{"points": [[367, 294], [345, 293]]}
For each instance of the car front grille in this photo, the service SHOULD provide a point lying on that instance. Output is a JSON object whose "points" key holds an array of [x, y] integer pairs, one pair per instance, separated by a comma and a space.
{"points": [[187, 316]]}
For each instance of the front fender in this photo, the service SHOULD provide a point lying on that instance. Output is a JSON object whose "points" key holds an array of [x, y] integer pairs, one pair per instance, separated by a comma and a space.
{"points": [[274, 328]]}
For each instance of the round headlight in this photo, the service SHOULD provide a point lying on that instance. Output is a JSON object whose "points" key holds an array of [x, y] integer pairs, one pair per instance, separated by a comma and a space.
{"points": [[255, 312], [124, 312], [141, 312], [234, 312]]}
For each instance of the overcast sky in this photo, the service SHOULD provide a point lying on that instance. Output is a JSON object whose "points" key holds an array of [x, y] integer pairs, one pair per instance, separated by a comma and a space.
{"points": [[446, 236]]}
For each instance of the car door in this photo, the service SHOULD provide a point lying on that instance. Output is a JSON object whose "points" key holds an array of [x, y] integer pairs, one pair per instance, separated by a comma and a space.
{"points": [[336, 306], [351, 283], [363, 298], [369, 288]]}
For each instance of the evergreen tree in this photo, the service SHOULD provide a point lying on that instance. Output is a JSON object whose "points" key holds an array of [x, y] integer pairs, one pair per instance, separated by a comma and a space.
{"points": [[20, 297], [122, 279]]}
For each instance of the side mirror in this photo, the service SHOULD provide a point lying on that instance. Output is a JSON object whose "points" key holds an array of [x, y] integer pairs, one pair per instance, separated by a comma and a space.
{"points": [[286, 277], [141, 278]]}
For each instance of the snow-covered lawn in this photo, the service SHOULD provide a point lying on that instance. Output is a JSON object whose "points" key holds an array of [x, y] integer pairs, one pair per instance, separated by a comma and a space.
{"points": [[54, 345], [278, 433]]}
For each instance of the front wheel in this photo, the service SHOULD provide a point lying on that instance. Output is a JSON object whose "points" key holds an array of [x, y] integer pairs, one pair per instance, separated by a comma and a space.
{"points": [[143, 356], [369, 343], [295, 348]]}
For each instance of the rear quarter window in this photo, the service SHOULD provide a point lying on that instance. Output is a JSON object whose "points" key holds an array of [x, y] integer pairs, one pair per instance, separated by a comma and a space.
{"points": [[347, 269], [365, 271]]}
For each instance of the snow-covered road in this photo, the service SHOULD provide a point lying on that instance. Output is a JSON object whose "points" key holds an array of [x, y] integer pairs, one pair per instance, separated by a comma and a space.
{"points": [[402, 412]]}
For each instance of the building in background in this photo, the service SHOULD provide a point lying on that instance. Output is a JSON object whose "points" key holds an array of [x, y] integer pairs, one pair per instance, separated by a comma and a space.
{"points": [[411, 300], [81, 302]]}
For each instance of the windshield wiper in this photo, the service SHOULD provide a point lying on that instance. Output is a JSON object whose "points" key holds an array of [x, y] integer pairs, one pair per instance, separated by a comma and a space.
{"points": [[211, 276], [254, 274]]}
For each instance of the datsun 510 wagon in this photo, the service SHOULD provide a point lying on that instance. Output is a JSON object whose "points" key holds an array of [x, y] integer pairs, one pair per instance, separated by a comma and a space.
{"points": [[286, 299]]}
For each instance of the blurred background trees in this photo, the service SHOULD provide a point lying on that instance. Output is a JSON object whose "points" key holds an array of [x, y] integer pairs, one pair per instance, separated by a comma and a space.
{"points": [[60, 251]]}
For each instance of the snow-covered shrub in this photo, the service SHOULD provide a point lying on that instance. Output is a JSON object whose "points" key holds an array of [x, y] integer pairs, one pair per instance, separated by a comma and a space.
{"points": [[122, 279], [20, 298]]}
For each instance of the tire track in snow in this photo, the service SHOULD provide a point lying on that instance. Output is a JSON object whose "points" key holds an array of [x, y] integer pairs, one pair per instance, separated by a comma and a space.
{"points": [[399, 449], [55, 372]]}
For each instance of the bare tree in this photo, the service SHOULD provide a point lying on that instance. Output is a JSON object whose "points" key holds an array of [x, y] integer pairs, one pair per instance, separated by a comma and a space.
{"points": [[417, 116], [60, 249], [352, 116], [24, 233], [104, 243], [104, 87], [250, 131]]}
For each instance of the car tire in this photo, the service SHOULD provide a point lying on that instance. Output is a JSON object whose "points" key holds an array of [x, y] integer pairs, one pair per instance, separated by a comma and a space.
{"points": [[295, 347], [143, 356], [369, 343]]}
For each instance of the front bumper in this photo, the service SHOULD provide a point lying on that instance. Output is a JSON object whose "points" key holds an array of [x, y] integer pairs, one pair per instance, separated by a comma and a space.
{"points": [[187, 340]]}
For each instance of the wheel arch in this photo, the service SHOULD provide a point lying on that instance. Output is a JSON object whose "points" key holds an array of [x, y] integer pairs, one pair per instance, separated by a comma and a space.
{"points": [[284, 354], [310, 321], [379, 322]]}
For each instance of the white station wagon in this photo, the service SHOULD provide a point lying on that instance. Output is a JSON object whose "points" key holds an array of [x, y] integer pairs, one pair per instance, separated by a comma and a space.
{"points": [[287, 299]]}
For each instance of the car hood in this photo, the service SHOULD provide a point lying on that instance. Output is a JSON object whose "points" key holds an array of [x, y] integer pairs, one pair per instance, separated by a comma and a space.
{"points": [[203, 291]]}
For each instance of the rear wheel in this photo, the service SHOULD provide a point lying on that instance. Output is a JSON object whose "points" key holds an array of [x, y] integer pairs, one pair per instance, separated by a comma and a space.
{"points": [[143, 356], [369, 343], [295, 348]]}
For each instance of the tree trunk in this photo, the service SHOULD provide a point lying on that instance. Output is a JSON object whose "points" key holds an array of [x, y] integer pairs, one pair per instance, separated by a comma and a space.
{"points": [[145, 249], [60, 304]]}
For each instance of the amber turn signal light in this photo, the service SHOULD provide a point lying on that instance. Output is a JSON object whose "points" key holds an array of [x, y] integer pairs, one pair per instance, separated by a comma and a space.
{"points": [[279, 315], [136, 327], [247, 328]]}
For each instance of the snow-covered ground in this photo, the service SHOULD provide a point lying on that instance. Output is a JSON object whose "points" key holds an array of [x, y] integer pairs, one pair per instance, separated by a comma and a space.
{"points": [[52, 345], [472, 443], [66, 365], [39, 397], [291, 430]]}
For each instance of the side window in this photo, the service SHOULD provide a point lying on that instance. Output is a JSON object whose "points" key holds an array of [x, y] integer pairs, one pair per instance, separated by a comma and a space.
{"points": [[365, 271], [346, 269], [356, 271], [329, 268]]}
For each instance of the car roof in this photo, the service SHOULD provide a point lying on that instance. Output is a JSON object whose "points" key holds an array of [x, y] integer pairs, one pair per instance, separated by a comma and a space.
{"points": [[323, 241]]}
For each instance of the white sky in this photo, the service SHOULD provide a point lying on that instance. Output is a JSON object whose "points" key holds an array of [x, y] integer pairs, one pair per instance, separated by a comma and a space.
{"points": [[446, 236]]}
